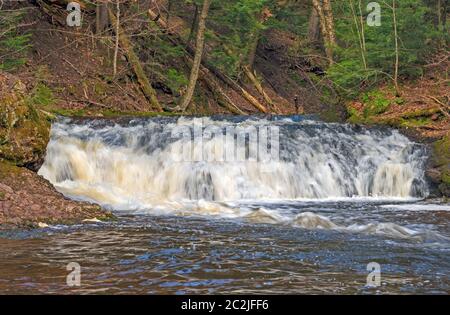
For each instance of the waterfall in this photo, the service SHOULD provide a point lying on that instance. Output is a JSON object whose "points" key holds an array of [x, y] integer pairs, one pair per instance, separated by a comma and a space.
{"points": [[146, 162]]}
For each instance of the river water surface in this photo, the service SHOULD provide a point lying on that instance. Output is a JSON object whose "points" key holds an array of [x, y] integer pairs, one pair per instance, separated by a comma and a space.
{"points": [[307, 220]]}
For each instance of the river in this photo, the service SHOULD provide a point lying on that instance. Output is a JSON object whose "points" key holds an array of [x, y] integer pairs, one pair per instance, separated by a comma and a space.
{"points": [[236, 205]]}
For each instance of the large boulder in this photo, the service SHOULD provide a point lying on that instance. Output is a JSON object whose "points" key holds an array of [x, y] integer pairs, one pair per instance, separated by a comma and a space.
{"points": [[24, 131], [439, 168]]}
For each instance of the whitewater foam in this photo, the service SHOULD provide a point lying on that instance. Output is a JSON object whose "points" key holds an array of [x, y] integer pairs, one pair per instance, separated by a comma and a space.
{"points": [[135, 166]]}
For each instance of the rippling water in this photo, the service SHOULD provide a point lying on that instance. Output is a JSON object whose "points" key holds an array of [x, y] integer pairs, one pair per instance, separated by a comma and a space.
{"points": [[338, 198], [147, 254]]}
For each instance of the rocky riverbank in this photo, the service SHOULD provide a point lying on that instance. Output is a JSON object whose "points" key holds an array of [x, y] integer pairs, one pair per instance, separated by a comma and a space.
{"points": [[26, 199]]}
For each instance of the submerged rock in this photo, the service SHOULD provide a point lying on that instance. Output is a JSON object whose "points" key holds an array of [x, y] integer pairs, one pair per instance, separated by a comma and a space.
{"points": [[24, 131]]}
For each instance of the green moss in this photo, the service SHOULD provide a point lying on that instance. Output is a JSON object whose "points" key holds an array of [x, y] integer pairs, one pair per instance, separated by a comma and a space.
{"points": [[442, 160], [112, 113], [415, 122], [100, 88], [176, 80], [24, 131], [109, 113], [446, 178], [8, 168], [375, 102], [42, 95], [68, 112], [354, 116]]}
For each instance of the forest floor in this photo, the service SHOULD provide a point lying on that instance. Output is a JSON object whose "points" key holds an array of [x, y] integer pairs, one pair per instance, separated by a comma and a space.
{"points": [[422, 109], [72, 69]]}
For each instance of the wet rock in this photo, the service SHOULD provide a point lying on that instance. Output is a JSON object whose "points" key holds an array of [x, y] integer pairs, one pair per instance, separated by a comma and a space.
{"points": [[24, 131], [30, 199], [438, 171]]}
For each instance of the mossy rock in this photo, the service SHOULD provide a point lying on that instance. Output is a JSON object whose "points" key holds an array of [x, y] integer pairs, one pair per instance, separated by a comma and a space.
{"points": [[441, 159], [24, 131]]}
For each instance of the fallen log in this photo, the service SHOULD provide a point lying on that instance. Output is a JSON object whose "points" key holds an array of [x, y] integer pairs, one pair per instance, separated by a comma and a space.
{"points": [[393, 119], [127, 46], [211, 82], [444, 108], [205, 65], [253, 79]]}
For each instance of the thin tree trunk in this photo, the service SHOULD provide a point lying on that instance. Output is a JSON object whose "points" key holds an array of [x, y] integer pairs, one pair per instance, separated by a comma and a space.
{"points": [[252, 77], [194, 24], [439, 14], [116, 49], [394, 16], [200, 43], [101, 16], [329, 21], [363, 32], [360, 35], [146, 87], [328, 38], [212, 72], [252, 50], [169, 8], [314, 26]]}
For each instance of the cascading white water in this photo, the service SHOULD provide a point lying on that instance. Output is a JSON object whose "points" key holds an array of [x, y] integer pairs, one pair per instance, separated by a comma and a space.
{"points": [[136, 164]]}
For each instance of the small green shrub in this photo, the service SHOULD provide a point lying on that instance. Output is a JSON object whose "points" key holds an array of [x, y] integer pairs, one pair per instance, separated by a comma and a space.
{"points": [[13, 44], [176, 80], [42, 95]]}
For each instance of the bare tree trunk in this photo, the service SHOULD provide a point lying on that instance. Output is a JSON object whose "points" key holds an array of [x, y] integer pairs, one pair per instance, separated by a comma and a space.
{"points": [[200, 43], [326, 26], [329, 21], [127, 46], [314, 27], [439, 13], [255, 35], [252, 50], [360, 34], [101, 18], [363, 32], [169, 8], [194, 24], [210, 70], [394, 16], [116, 49]]}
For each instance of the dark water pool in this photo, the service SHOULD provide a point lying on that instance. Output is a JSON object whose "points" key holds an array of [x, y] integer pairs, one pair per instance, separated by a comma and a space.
{"points": [[144, 254]]}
